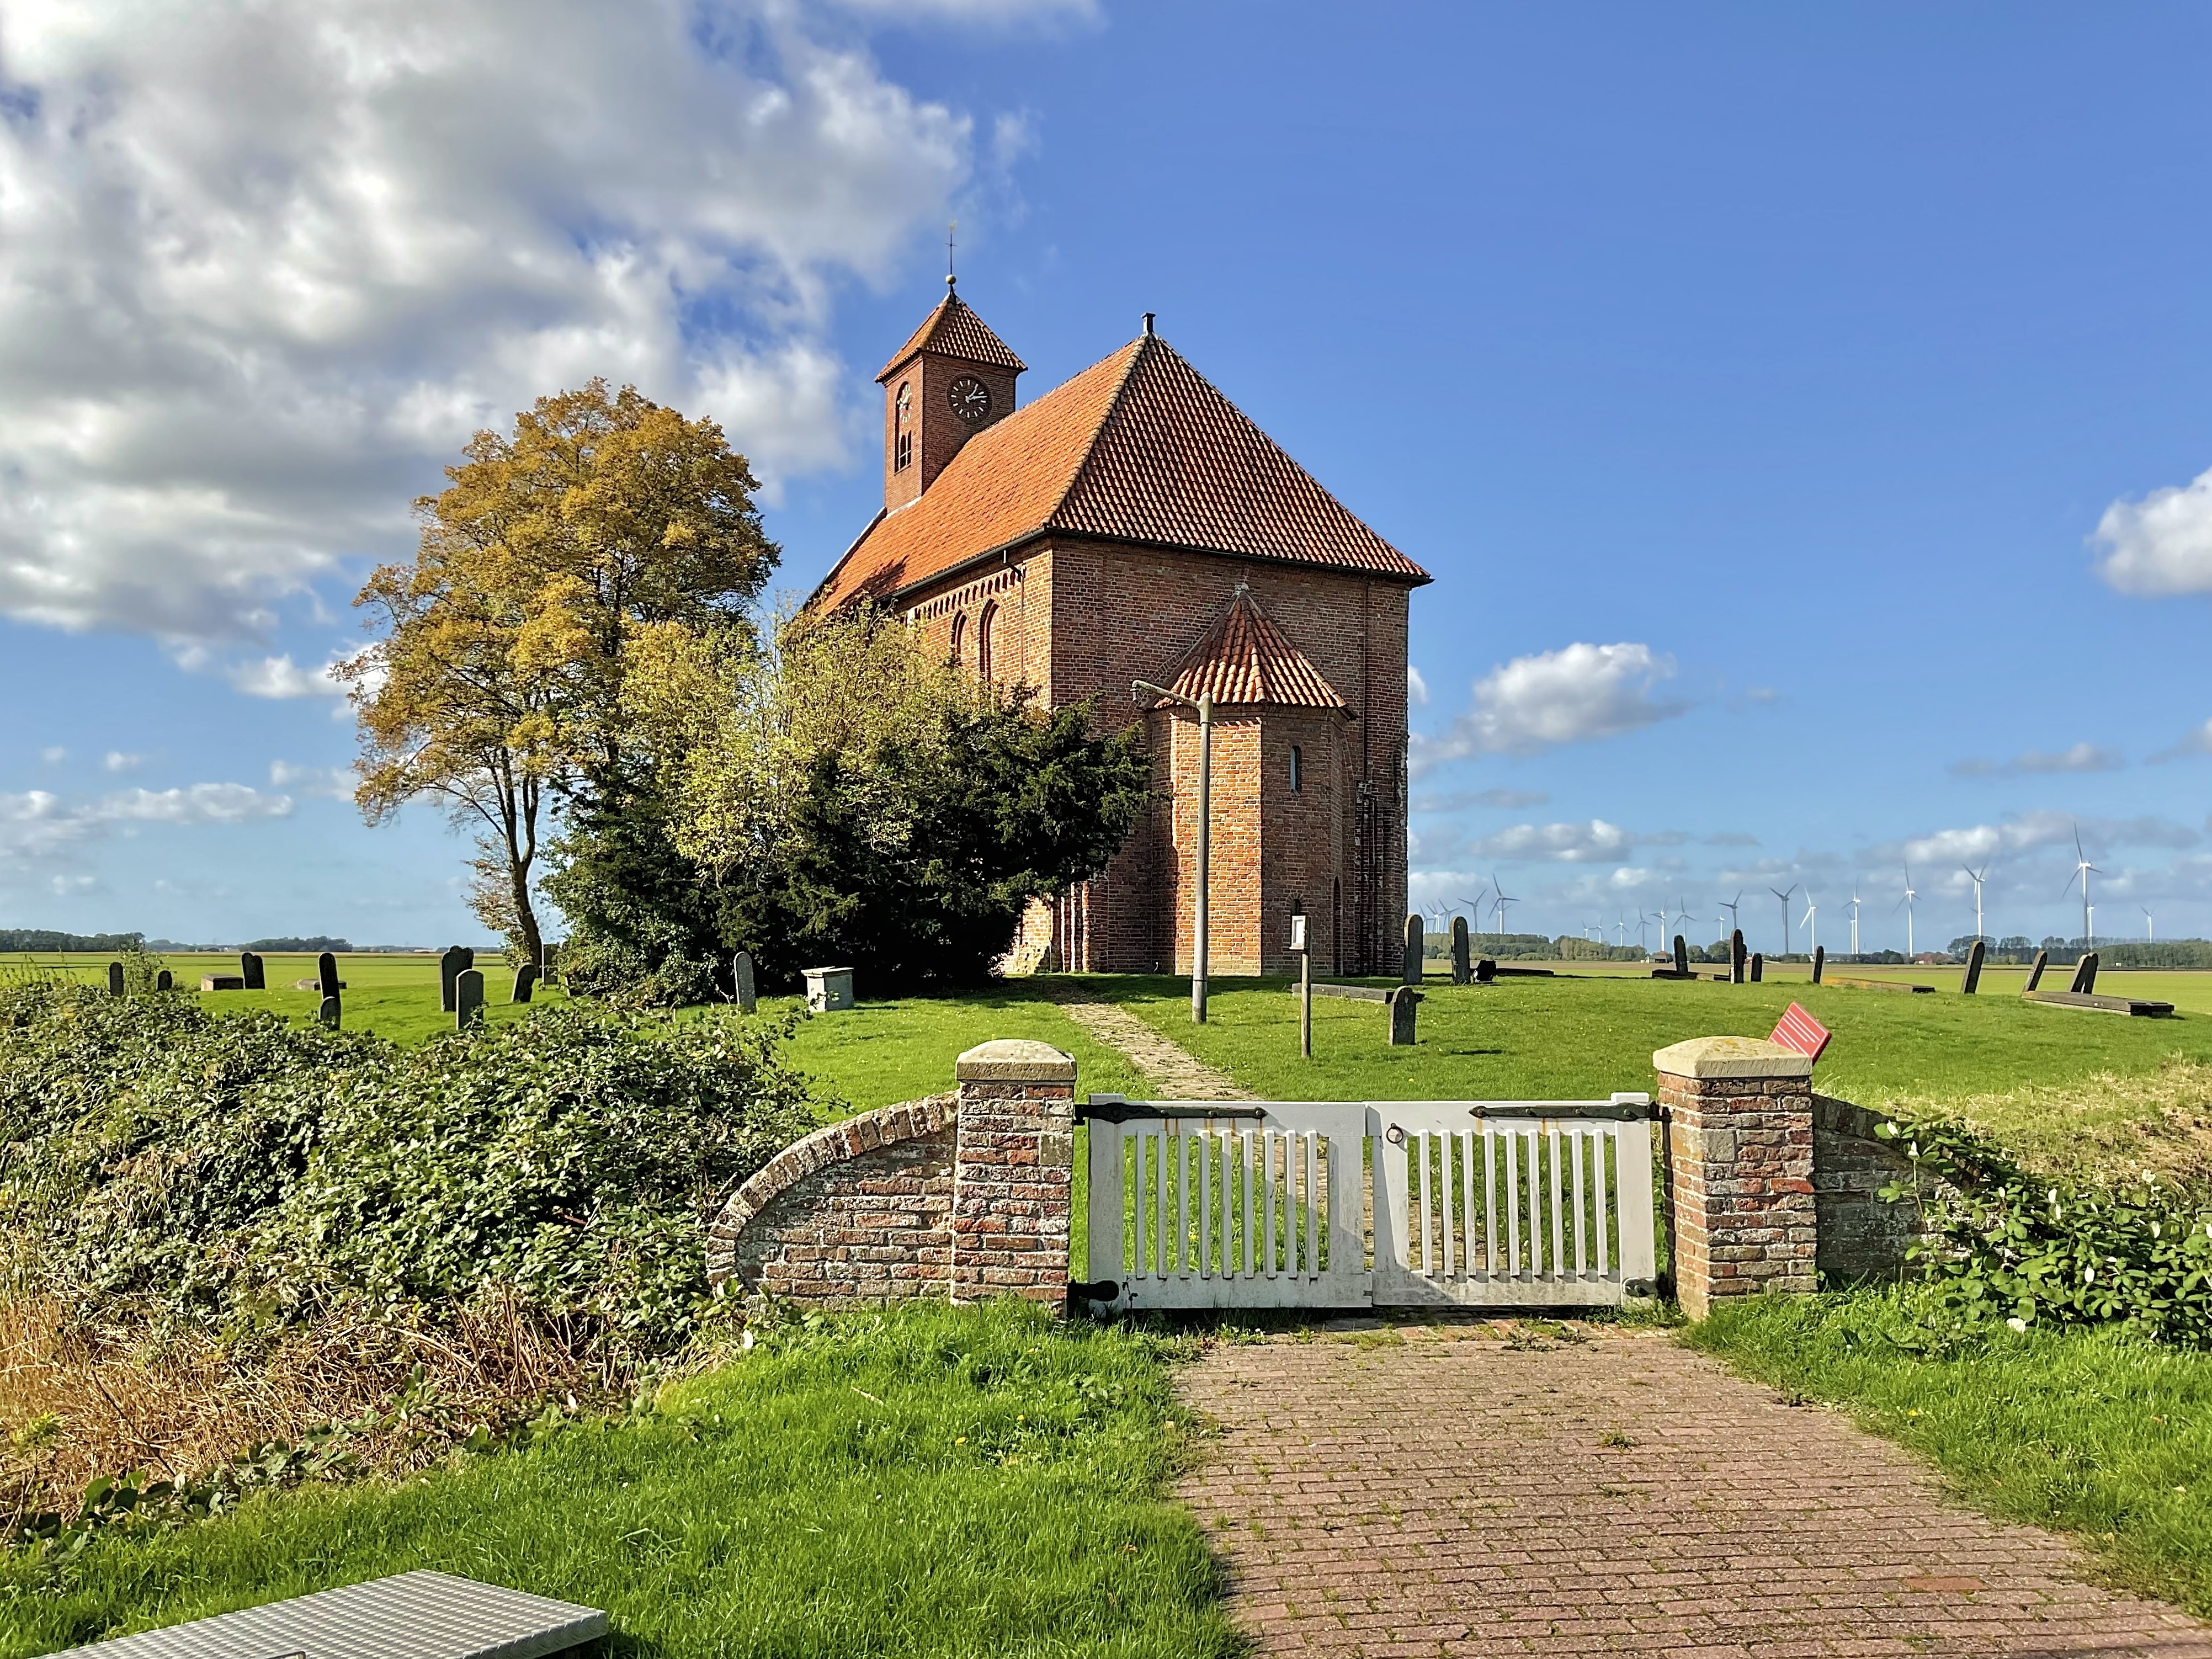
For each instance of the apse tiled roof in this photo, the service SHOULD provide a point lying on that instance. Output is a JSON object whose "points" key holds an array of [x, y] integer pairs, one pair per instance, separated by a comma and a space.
{"points": [[956, 331], [1245, 659], [1137, 448]]}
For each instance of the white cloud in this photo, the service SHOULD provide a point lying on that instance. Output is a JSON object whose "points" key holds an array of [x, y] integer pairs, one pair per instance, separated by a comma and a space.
{"points": [[1594, 842], [281, 677], [2030, 832], [198, 803], [117, 761], [329, 782], [2162, 543], [2081, 757], [1416, 688], [263, 268], [54, 756], [2196, 741], [1576, 694]]}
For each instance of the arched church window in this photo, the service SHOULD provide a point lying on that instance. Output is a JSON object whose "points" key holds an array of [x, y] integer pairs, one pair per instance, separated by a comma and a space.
{"points": [[902, 427], [959, 633], [1298, 769], [983, 639]]}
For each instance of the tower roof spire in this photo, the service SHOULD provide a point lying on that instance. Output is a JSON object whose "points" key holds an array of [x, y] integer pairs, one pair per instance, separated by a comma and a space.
{"points": [[951, 281]]}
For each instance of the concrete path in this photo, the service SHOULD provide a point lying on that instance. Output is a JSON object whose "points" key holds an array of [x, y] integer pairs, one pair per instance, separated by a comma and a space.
{"points": [[1459, 1491], [1174, 1070]]}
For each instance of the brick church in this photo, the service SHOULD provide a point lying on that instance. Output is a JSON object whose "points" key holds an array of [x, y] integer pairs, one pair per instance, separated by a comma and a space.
{"points": [[1133, 524]]}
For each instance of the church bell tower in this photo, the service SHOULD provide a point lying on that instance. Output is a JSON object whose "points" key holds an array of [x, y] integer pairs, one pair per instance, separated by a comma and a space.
{"points": [[952, 379]]}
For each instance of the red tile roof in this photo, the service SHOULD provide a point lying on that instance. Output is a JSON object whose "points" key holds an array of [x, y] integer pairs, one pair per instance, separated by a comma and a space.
{"points": [[1244, 658], [1138, 447], [955, 331]]}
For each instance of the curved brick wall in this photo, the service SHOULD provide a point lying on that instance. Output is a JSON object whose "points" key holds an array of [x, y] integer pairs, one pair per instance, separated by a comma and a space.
{"points": [[858, 1211], [1860, 1236]]}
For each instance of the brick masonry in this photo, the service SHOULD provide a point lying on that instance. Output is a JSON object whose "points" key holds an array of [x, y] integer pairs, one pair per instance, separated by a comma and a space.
{"points": [[1862, 1236], [967, 1195], [1739, 1169]]}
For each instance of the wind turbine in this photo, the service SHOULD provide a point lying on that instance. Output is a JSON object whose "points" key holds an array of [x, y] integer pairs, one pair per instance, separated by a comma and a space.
{"points": [[1682, 912], [1809, 922], [1906, 905], [2082, 871], [1497, 906], [1621, 932], [1977, 877], [2150, 927], [1784, 897], [1858, 905], [1473, 908], [1729, 905]]}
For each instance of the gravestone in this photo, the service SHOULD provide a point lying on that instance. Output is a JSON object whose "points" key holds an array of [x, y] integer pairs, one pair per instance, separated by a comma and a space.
{"points": [[222, 983], [2085, 975], [250, 971], [1462, 969], [2035, 972], [1681, 956], [165, 980], [1403, 1000], [1736, 958], [468, 999], [115, 979], [828, 990], [741, 982], [1416, 943], [457, 960], [525, 982], [1485, 972], [1972, 980], [1757, 967], [328, 1012], [1820, 962], [326, 974]]}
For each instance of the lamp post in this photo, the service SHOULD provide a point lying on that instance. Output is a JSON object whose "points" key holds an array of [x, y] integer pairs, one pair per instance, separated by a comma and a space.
{"points": [[1139, 690]]}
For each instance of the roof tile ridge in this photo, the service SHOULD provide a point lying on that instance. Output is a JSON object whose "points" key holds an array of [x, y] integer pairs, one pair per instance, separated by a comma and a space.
{"points": [[1143, 344], [845, 558]]}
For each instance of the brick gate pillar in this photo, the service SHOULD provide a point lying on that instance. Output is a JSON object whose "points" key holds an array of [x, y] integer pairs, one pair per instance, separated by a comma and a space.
{"points": [[1013, 1172], [1739, 1168]]}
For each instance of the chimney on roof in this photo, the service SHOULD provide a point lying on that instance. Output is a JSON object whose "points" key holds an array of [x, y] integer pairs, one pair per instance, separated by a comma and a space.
{"points": [[1148, 322]]}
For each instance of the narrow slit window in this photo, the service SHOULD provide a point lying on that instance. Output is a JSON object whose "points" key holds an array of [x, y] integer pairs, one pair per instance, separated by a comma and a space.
{"points": [[959, 633], [902, 427], [1298, 769], [983, 639]]}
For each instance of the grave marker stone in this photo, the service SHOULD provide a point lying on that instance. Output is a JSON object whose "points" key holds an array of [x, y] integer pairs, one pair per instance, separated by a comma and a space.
{"points": [[1416, 943], [328, 1012], [326, 974], [2035, 972], [1757, 967], [828, 990], [1972, 980], [2085, 975], [456, 961], [525, 982], [1681, 956], [1736, 958], [1485, 972], [115, 979], [1820, 962], [1403, 1000], [250, 969], [165, 980], [1462, 966], [468, 999], [741, 982]]}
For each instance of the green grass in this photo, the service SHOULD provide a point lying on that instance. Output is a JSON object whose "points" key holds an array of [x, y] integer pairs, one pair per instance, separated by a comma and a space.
{"points": [[982, 1481], [2087, 1430]]}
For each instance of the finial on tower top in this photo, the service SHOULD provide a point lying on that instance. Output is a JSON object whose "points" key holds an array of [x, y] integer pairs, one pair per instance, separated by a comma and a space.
{"points": [[950, 279], [1148, 322]]}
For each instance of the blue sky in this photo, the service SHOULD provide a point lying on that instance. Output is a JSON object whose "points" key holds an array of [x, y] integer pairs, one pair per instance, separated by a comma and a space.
{"points": [[1801, 411]]}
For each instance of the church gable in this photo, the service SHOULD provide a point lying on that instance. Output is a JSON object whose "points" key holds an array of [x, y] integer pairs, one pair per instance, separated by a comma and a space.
{"points": [[1244, 658]]}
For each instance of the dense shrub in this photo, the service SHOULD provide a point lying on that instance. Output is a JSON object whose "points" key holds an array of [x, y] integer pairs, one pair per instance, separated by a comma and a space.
{"points": [[2011, 1247], [242, 1169]]}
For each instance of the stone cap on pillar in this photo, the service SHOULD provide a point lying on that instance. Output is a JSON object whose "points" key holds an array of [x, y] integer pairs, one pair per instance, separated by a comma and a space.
{"points": [[1731, 1056], [1014, 1061]]}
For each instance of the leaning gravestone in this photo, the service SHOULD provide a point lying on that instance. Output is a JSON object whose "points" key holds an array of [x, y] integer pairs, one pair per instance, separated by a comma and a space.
{"points": [[250, 969], [468, 999], [1757, 967], [326, 974], [1416, 943], [2085, 975], [1462, 967], [2035, 971], [115, 979], [741, 982], [165, 980], [1736, 958], [328, 1012], [1403, 1000], [525, 982], [1485, 972], [457, 960], [1820, 962], [1970, 981]]}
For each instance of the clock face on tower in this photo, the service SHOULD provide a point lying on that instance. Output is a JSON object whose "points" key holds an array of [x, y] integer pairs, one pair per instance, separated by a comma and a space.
{"points": [[970, 399]]}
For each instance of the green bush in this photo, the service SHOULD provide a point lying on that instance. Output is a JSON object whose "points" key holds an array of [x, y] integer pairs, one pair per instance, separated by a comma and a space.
{"points": [[240, 1167]]}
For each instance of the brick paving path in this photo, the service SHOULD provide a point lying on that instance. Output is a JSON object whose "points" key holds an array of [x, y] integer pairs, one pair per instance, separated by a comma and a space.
{"points": [[1173, 1070], [1447, 1492]]}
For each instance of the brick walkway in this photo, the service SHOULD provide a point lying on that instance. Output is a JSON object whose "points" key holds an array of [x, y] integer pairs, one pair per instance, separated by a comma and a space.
{"points": [[1172, 1069], [1450, 1492]]}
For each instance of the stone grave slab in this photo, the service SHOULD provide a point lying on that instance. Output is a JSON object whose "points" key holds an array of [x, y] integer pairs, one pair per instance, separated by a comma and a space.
{"points": [[2140, 1008]]}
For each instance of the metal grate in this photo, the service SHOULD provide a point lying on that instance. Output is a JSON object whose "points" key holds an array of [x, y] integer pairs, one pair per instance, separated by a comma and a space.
{"points": [[412, 1615]]}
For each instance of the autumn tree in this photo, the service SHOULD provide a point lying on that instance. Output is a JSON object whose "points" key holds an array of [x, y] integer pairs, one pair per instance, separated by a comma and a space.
{"points": [[495, 688]]}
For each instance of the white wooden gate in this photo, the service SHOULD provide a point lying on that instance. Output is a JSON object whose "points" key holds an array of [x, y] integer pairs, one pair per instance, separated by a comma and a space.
{"points": [[1332, 1204]]}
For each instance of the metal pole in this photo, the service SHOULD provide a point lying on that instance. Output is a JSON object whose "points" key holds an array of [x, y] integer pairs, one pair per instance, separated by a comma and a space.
{"points": [[1305, 1004], [1205, 855]]}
